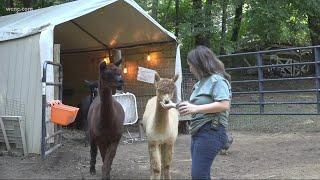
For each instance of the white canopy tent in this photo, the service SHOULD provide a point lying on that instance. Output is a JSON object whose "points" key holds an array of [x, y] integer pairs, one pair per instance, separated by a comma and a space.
{"points": [[27, 40]]}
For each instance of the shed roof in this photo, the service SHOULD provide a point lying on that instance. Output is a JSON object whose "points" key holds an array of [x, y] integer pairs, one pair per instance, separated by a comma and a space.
{"points": [[87, 24]]}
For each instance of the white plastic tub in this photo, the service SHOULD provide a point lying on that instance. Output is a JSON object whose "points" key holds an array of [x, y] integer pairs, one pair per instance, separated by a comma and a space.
{"points": [[129, 104]]}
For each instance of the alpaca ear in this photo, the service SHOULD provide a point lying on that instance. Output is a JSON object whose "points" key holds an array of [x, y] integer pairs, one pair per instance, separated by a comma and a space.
{"points": [[87, 82], [156, 77], [95, 83], [102, 65], [118, 62], [175, 78]]}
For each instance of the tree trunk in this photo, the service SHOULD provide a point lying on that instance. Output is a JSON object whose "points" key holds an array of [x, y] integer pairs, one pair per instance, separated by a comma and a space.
{"points": [[200, 38], [208, 8], [237, 21], [27, 3], [314, 27], [223, 26], [176, 30], [166, 14], [9, 3], [154, 9], [208, 23]]}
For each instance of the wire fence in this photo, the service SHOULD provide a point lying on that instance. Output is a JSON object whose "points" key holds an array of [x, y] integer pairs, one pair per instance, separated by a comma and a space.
{"points": [[12, 107], [273, 91]]}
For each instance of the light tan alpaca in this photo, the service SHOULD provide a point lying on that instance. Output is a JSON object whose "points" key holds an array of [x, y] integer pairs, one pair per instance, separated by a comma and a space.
{"points": [[161, 127]]}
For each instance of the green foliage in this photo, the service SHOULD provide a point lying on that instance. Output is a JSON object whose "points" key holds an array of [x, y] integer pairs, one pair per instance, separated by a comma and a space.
{"points": [[2, 8], [17, 5], [264, 22]]}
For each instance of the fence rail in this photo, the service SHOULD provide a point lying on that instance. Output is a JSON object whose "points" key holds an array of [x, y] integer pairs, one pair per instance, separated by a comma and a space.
{"points": [[292, 60]]}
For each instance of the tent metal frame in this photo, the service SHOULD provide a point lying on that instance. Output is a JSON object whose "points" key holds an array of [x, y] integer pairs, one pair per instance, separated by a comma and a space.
{"points": [[59, 84]]}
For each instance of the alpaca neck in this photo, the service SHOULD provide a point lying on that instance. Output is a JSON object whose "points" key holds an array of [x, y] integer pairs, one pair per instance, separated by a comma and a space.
{"points": [[106, 104], [161, 118]]}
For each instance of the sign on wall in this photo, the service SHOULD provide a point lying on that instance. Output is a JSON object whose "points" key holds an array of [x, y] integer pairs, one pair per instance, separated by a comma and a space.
{"points": [[146, 75]]}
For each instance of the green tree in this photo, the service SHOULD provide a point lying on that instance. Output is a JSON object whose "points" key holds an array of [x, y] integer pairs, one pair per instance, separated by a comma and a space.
{"points": [[311, 10], [237, 20], [224, 4], [226, 26]]}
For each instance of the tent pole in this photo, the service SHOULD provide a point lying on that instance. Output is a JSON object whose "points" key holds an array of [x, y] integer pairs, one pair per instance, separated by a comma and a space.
{"points": [[92, 36], [119, 47]]}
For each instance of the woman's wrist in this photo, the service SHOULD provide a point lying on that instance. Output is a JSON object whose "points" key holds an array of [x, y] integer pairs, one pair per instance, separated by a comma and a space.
{"points": [[197, 108]]}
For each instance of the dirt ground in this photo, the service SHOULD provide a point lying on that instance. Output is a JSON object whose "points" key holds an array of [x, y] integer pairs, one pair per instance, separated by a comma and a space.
{"points": [[252, 156]]}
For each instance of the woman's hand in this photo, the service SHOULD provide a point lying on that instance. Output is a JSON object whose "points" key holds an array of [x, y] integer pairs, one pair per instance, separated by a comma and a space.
{"points": [[168, 106], [186, 108]]}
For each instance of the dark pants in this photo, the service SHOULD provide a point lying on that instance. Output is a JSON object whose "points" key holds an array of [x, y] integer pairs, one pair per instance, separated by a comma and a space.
{"points": [[205, 145]]}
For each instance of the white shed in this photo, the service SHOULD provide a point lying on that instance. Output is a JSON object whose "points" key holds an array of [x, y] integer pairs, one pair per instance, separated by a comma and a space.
{"points": [[85, 30]]}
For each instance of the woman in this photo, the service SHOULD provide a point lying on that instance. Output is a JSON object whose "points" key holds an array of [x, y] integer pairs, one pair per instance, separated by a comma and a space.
{"points": [[209, 108]]}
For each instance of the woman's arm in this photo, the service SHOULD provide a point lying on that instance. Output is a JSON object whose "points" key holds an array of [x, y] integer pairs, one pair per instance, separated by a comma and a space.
{"points": [[214, 107], [221, 96], [186, 108]]}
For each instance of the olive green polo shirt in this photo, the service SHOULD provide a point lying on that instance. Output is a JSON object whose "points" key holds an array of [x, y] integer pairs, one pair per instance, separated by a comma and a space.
{"points": [[208, 90]]}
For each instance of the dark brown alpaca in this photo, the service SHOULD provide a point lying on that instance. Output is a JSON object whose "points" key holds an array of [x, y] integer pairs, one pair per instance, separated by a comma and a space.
{"points": [[106, 118]]}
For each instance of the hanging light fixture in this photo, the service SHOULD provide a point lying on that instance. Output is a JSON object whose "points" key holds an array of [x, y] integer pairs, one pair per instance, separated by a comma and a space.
{"points": [[148, 57], [125, 69], [107, 59]]}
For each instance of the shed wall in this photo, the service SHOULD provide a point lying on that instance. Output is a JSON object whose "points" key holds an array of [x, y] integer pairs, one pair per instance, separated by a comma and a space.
{"points": [[78, 67], [20, 85]]}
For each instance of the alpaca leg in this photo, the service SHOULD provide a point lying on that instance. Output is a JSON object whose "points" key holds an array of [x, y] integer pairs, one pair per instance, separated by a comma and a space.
{"points": [[166, 158], [155, 160], [93, 153], [108, 159], [86, 138], [102, 149]]}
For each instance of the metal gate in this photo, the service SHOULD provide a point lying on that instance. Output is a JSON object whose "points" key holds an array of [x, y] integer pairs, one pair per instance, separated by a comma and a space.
{"points": [[58, 129], [263, 70]]}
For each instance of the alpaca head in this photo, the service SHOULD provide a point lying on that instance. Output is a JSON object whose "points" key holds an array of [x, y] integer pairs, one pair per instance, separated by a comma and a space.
{"points": [[165, 88], [111, 75], [93, 87]]}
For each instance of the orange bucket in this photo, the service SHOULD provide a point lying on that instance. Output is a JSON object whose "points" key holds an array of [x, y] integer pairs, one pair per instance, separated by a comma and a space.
{"points": [[63, 114]]}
